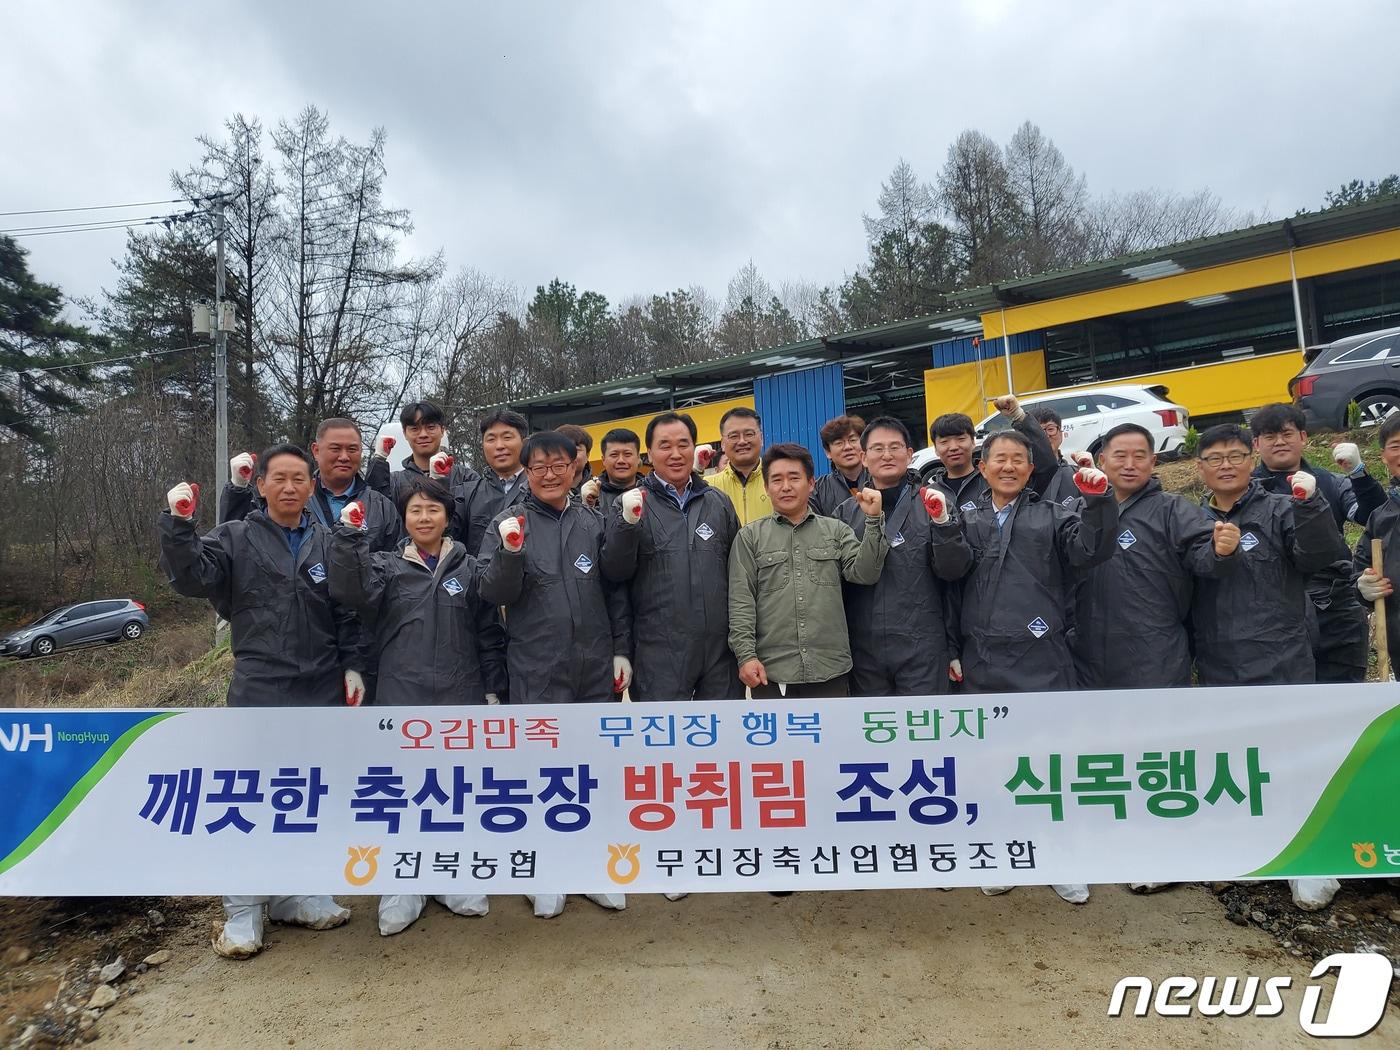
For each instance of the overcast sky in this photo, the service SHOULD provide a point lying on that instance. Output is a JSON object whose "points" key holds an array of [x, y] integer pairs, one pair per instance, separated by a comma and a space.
{"points": [[634, 148]]}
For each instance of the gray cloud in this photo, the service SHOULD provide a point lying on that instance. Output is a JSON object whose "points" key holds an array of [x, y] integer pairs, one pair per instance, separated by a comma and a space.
{"points": [[635, 148]]}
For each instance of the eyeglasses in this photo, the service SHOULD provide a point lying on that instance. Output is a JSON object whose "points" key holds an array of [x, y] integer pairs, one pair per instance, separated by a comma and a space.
{"points": [[549, 470], [1216, 459], [886, 450], [741, 435]]}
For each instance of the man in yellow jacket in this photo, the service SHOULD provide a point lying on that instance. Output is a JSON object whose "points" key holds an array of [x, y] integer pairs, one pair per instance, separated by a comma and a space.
{"points": [[741, 438]]}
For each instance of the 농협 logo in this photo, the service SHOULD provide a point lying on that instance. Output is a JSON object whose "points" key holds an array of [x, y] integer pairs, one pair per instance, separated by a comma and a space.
{"points": [[623, 863], [583, 563], [366, 856], [1357, 1006]]}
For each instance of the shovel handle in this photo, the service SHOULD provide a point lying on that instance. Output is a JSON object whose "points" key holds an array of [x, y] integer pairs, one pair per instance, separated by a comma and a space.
{"points": [[1382, 638]]}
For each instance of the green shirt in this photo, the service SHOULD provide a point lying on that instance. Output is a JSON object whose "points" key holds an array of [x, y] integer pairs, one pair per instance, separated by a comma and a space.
{"points": [[785, 605]]}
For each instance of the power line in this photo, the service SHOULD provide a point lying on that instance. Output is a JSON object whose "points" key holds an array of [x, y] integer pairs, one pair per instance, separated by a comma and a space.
{"points": [[57, 226], [97, 207], [115, 360], [91, 229]]}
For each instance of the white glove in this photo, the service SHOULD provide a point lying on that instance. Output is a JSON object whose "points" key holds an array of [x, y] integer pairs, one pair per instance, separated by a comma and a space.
{"points": [[1304, 485], [353, 514], [1371, 586], [383, 445], [241, 467], [704, 456], [630, 505], [492, 699], [1347, 456], [936, 504], [512, 532], [183, 500], [1008, 406], [591, 491], [354, 689], [1081, 459], [955, 670], [622, 673], [441, 466]]}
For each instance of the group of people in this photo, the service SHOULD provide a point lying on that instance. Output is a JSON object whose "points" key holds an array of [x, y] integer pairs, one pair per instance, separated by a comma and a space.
{"points": [[1009, 569]]}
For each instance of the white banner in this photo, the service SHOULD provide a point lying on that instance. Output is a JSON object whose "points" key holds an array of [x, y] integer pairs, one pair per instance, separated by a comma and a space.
{"points": [[1150, 786]]}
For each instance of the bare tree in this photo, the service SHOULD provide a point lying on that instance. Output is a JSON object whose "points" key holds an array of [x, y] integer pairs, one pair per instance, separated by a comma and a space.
{"points": [[1049, 199], [974, 191], [1121, 224]]}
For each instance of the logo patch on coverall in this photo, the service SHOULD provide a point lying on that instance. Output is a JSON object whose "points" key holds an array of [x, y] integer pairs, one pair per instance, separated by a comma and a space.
{"points": [[1038, 627], [453, 586], [897, 539], [1126, 539], [969, 505], [583, 563], [704, 531], [317, 573], [1249, 541]]}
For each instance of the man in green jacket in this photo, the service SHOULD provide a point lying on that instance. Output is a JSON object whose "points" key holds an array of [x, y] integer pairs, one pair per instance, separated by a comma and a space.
{"points": [[787, 621]]}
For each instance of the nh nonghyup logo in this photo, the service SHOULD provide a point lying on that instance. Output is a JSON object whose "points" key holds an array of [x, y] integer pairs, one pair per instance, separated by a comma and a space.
{"points": [[21, 736]]}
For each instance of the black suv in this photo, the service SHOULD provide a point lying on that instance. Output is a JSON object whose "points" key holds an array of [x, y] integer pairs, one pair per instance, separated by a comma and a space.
{"points": [[1361, 368]]}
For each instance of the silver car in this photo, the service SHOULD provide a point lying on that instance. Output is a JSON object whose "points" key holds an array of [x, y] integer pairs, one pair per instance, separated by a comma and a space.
{"points": [[84, 623]]}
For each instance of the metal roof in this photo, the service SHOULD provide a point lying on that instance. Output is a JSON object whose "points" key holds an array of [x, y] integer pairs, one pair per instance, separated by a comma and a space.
{"points": [[1264, 239]]}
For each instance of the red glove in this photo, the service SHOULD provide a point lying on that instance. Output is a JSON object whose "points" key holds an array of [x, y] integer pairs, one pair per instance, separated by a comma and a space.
{"points": [[1091, 481], [354, 514], [704, 456], [241, 468], [183, 499], [1304, 485], [631, 505], [441, 466], [1081, 459], [936, 504], [512, 532], [384, 446]]}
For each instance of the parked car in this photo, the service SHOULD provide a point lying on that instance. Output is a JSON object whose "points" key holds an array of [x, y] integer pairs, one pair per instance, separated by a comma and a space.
{"points": [[1361, 368], [85, 623], [1088, 414]]}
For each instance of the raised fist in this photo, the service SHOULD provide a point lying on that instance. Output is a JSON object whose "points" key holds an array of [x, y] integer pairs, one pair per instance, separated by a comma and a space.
{"points": [[869, 500], [1346, 455], [622, 673], [704, 456], [353, 515], [183, 499], [1008, 406], [1304, 485], [441, 466], [512, 532], [354, 689], [1091, 481], [241, 467], [1227, 538], [631, 505], [383, 445], [1081, 459], [591, 491], [955, 670], [936, 504], [1373, 587]]}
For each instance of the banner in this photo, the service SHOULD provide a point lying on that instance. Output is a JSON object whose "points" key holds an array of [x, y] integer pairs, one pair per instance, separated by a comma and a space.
{"points": [[1030, 788]]}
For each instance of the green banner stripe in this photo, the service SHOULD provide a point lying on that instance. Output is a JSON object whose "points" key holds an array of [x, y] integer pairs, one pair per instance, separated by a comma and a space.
{"points": [[79, 791], [1363, 787]]}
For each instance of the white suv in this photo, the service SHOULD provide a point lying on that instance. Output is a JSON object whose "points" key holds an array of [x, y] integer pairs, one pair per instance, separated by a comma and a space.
{"points": [[1090, 413]]}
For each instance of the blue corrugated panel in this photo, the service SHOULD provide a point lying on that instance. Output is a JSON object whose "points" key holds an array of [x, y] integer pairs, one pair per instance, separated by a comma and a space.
{"points": [[961, 351], [794, 405]]}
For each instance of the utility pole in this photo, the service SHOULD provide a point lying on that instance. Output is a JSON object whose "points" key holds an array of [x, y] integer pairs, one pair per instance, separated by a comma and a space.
{"points": [[220, 367]]}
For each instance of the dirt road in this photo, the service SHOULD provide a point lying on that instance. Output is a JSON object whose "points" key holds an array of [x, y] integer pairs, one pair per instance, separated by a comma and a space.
{"points": [[874, 969]]}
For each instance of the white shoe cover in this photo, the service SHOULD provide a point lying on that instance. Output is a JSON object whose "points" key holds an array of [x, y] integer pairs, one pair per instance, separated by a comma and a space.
{"points": [[613, 901], [315, 913], [1073, 894], [546, 905], [677, 896], [994, 891], [1313, 894], [241, 936], [399, 911], [1149, 887], [465, 903]]}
